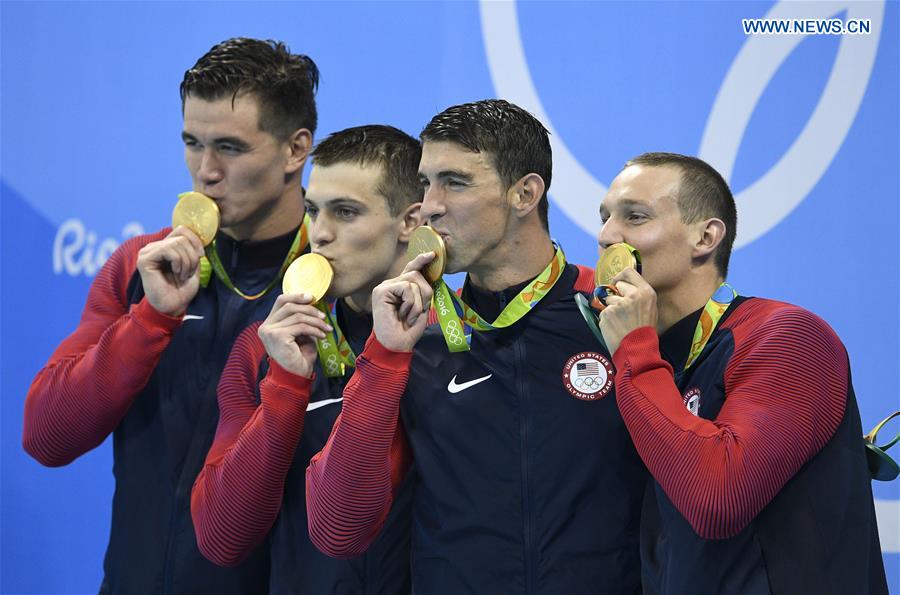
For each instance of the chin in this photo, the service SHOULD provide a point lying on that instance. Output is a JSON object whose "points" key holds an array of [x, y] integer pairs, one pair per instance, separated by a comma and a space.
{"points": [[336, 291]]}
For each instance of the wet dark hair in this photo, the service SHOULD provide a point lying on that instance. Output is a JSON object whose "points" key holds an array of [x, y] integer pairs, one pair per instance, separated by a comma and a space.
{"points": [[283, 83], [395, 151], [515, 140]]}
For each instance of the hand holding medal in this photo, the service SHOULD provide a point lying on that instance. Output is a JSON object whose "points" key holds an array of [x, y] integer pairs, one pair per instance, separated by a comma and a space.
{"points": [[615, 259], [200, 214], [424, 239], [456, 318], [312, 274], [171, 268]]}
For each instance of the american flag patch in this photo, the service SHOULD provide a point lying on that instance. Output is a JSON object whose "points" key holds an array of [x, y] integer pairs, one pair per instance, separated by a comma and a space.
{"points": [[591, 368]]}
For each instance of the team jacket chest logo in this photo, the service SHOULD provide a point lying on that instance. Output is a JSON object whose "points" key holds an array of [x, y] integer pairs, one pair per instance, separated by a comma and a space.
{"points": [[455, 387], [692, 400], [588, 376]]}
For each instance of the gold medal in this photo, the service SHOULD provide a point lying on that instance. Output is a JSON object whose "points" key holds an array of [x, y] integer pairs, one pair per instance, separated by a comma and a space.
{"points": [[310, 274], [613, 261], [199, 213], [424, 239]]}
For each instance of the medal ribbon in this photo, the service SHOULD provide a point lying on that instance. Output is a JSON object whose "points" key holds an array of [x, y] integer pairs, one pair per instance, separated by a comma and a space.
{"points": [[457, 322], [211, 263], [335, 354], [881, 466], [709, 319]]}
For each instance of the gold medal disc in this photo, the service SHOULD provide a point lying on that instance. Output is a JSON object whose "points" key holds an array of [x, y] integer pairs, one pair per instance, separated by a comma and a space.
{"points": [[613, 261], [310, 274], [199, 213], [424, 239]]}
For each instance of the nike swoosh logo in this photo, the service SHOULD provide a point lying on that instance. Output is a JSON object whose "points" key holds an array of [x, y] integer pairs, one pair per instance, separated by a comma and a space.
{"points": [[322, 403], [191, 317], [455, 388]]}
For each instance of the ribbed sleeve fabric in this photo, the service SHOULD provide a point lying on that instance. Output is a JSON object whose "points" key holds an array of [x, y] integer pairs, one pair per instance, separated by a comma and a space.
{"points": [[238, 494], [786, 389], [350, 484], [93, 377]]}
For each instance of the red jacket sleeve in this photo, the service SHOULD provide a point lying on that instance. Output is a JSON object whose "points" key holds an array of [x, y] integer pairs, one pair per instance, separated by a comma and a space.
{"points": [[786, 390], [238, 493], [95, 374], [350, 484]]}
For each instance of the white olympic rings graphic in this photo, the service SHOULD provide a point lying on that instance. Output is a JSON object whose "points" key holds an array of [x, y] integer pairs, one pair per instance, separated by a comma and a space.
{"points": [[331, 364], [454, 333], [589, 383]]}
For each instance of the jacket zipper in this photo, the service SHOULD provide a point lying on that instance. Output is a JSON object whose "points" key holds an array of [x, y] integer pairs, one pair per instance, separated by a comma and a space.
{"points": [[528, 553]]}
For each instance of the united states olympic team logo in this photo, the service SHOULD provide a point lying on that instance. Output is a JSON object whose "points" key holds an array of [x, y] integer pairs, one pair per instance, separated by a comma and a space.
{"points": [[588, 376]]}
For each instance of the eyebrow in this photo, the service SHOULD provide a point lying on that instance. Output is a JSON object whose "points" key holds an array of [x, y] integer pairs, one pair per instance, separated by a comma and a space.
{"points": [[231, 140], [627, 202], [339, 201], [624, 203], [449, 173]]}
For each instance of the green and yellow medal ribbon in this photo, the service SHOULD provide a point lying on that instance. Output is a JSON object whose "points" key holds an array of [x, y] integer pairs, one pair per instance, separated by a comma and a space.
{"points": [[335, 353], [881, 466], [457, 318], [709, 319], [211, 263]]}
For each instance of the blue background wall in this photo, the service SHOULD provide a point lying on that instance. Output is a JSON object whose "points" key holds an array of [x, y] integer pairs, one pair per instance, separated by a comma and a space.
{"points": [[805, 127]]}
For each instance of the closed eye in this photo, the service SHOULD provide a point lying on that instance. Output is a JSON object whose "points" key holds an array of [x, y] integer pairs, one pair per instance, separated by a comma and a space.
{"points": [[637, 217], [231, 148]]}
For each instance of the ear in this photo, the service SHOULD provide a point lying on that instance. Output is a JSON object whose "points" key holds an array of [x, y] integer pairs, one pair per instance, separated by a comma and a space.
{"points": [[410, 219], [525, 195], [298, 146], [709, 234]]}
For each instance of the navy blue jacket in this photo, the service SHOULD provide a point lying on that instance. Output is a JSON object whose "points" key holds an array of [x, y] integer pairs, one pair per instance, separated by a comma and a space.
{"points": [[816, 533], [520, 485], [160, 445], [297, 566]]}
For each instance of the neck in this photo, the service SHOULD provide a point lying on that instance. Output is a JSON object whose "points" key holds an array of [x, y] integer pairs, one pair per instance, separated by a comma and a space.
{"points": [[517, 260], [360, 302], [689, 296]]}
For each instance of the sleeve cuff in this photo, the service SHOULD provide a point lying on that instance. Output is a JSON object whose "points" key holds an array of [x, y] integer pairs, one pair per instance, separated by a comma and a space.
{"points": [[641, 344], [385, 358], [151, 318], [284, 378]]}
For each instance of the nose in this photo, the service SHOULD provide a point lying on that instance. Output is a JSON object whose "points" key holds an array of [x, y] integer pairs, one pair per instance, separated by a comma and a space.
{"points": [[433, 206], [610, 233], [321, 231], [210, 171]]}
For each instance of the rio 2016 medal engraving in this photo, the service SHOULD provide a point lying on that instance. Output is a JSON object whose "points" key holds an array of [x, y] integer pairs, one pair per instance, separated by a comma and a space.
{"points": [[615, 259], [199, 213], [310, 274], [424, 239]]}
